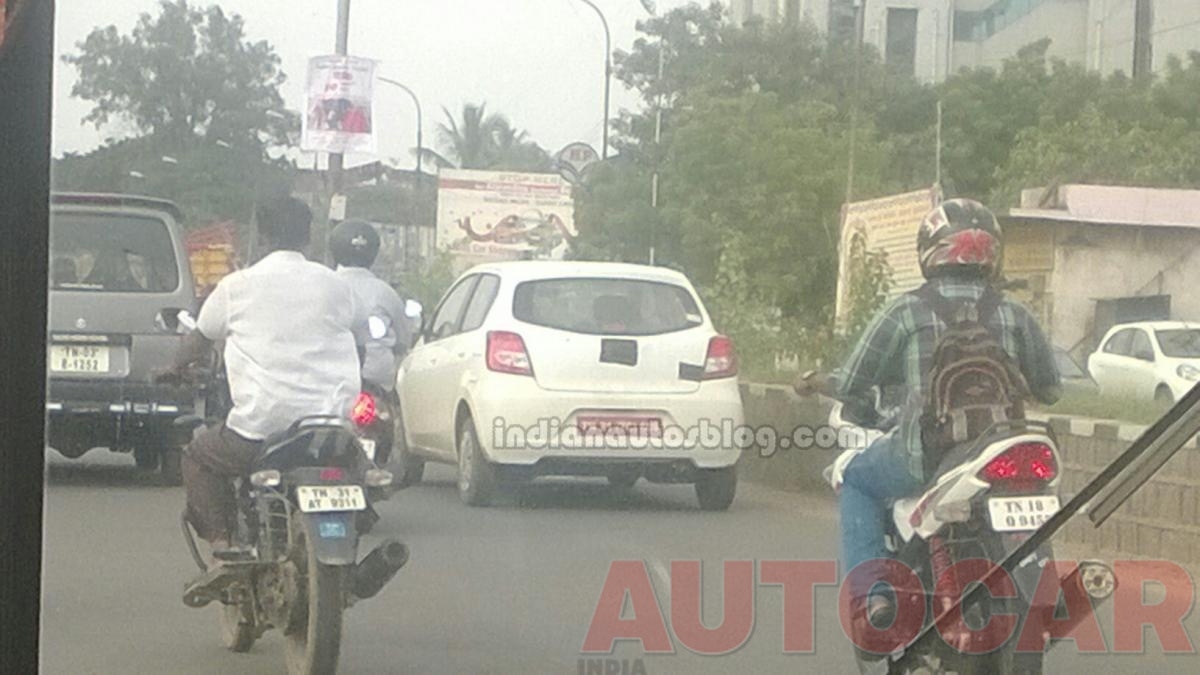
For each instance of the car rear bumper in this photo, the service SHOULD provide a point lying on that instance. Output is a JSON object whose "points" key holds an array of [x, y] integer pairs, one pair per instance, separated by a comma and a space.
{"points": [[82, 397], [518, 423]]}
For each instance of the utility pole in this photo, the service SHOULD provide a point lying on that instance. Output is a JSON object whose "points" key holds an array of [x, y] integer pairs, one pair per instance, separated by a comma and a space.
{"points": [[937, 171], [859, 27], [337, 159], [662, 52]]}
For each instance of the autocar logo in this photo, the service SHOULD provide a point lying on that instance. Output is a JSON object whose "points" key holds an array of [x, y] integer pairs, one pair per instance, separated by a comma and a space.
{"points": [[80, 323]]}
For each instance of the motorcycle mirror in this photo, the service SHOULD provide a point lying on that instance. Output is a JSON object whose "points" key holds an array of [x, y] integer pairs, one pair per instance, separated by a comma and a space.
{"points": [[413, 309], [377, 327]]}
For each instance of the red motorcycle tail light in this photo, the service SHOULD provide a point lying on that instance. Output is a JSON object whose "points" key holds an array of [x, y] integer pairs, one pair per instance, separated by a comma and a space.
{"points": [[1024, 465], [363, 413]]}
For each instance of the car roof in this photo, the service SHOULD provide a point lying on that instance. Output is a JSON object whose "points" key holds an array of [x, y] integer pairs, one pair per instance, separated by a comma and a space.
{"points": [[527, 270], [1157, 325], [107, 200]]}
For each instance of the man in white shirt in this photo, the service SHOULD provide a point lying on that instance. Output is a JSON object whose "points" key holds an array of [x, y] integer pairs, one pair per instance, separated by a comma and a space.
{"points": [[289, 329]]}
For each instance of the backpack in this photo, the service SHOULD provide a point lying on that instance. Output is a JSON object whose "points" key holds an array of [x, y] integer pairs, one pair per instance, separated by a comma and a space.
{"points": [[973, 382]]}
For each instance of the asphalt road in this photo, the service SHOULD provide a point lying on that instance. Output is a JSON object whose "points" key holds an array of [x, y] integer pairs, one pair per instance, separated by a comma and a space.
{"points": [[509, 589]]}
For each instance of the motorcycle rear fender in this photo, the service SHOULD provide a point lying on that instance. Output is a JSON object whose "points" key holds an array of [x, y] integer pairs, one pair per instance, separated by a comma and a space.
{"points": [[335, 536], [958, 485]]}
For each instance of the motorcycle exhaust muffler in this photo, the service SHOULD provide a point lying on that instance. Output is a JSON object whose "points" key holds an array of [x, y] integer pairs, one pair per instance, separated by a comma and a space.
{"points": [[378, 568]]}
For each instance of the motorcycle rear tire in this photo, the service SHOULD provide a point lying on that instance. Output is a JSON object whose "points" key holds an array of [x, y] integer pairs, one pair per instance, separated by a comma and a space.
{"points": [[313, 649]]}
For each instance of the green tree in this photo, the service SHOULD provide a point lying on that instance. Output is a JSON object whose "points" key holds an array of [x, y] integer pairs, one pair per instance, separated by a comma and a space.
{"points": [[205, 105], [482, 140], [186, 72]]}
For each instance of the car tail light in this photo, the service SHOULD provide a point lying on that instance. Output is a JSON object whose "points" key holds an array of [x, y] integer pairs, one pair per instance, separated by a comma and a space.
{"points": [[506, 353], [721, 361], [363, 413], [332, 474], [1023, 465]]}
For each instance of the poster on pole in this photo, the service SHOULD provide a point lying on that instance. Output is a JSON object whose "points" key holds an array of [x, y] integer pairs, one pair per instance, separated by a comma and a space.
{"points": [[504, 215], [339, 110]]}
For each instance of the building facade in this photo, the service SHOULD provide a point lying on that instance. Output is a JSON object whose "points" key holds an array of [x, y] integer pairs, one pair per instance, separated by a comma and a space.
{"points": [[931, 39]]}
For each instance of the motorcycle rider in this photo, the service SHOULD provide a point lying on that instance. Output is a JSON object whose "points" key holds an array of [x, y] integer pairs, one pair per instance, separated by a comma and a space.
{"points": [[354, 245], [959, 247], [290, 351]]}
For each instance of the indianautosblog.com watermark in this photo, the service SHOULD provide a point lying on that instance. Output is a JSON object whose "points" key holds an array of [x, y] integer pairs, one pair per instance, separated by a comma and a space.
{"points": [[650, 433]]}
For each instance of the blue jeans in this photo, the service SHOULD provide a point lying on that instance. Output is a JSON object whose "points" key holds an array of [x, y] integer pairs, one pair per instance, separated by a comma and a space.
{"points": [[871, 482]]}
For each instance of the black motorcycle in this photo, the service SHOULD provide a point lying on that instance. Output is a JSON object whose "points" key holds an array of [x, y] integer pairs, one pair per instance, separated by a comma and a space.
{"points": [[300, 513]]}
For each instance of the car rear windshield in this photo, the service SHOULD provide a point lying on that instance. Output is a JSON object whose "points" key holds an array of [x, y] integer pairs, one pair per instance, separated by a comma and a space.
{"points": [[1180, 343], [95, 252], [606, 306]]}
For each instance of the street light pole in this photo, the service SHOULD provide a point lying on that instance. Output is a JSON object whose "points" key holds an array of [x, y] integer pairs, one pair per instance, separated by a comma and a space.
{"points": [[420, 124], [409, 254], [607, 71]]}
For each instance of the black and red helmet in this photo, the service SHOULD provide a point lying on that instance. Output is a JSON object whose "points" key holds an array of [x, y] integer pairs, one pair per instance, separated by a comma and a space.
{"points": [[960, 236]]}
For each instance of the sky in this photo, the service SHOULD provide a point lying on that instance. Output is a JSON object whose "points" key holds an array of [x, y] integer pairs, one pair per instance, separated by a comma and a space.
{"points": [[539, 62]]}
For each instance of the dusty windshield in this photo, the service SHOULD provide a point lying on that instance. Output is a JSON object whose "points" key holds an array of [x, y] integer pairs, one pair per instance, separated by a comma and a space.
{"points": [[743, 336]]}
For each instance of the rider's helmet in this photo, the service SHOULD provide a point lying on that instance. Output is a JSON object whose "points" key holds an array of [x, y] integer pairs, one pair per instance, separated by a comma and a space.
{"points": [[354, 243], [960, 237]]}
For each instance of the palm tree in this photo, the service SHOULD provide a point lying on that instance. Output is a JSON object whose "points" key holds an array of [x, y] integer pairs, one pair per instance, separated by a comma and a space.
{"points": [[480, 140]]}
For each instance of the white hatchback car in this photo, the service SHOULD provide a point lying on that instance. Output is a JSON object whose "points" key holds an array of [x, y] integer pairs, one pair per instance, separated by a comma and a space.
{"points": [[1153, 359], [539, 368]]}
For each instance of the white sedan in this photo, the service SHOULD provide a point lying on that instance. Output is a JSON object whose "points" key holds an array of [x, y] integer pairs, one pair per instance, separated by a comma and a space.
{"points": [[537, 368], [1153, 359]]}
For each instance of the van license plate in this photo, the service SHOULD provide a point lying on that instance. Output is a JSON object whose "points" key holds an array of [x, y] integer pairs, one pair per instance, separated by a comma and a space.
{"points": [[1017, 514], [326, 498], [78, 359]]}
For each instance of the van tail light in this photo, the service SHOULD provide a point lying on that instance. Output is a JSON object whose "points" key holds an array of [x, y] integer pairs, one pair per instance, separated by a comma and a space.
{"points": [[721, 361], [363, 413], [1023, 466], [506, 353]]}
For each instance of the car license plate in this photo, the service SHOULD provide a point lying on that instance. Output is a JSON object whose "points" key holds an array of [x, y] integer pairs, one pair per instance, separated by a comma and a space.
{"points": [[627, 426], [1015, 514], [325, 498], [368, 447], [78, 359]]}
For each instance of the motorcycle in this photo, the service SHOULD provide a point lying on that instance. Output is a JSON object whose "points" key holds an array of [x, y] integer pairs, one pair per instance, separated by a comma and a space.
{"points": [[985, 499], [299, 515]]}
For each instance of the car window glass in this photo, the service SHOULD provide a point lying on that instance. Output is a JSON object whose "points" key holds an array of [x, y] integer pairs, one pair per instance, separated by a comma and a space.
{"points": [[481, 302], [1140, 348], [606, 306], [1179, 343], [125, 254], [446, 320], [1120, 343]]}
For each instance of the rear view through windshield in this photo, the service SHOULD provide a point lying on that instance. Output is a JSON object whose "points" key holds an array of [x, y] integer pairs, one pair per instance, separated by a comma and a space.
{"points": [[606, 306], [111, 253]]}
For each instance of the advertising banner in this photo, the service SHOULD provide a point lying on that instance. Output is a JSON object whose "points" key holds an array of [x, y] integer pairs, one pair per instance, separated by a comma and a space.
{"points": [[886, 225], [339, 110], [504, 215]]}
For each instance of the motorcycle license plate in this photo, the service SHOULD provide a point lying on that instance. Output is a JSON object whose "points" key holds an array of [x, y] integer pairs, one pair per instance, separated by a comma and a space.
{"points": [[368, 447], [1017, 514], [326, 498]]}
